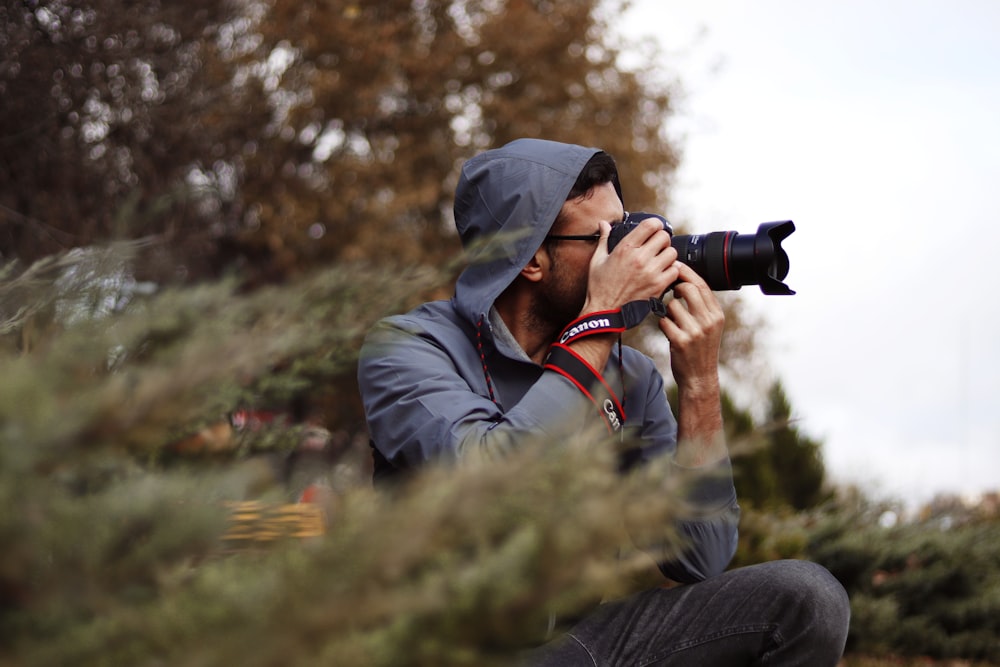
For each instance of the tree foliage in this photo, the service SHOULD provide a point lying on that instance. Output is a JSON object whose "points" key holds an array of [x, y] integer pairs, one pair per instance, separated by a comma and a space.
{"points": [[917, 588], [785, 467], [924, 589], [271, 136], [118, 120], [116, 547]]}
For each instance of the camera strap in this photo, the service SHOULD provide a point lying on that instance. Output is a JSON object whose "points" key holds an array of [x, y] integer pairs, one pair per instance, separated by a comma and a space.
{"points": [[563, 360], [574, 368], [635, 312], [601, 322], [612, 321]]}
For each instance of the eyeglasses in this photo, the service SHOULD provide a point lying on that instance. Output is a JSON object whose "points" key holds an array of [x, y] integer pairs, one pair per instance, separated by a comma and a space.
{"points": [[580, 237], [573, 237]]}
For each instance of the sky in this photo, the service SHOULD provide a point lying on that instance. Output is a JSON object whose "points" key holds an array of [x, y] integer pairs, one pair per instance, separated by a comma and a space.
{"points": [[875, 126]]}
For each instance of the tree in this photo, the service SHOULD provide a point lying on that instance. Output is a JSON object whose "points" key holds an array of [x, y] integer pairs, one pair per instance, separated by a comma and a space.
{"points": [[797, 459], [270, 138], [781, 467], [917, 588], [122, 121], [275, 136], [385, 100]]}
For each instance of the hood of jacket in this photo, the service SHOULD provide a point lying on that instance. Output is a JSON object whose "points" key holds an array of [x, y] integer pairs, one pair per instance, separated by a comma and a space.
{"points": [[505, 204]]}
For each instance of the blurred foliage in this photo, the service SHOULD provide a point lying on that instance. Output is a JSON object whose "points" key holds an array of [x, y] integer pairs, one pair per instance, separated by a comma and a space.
{"points": [[114, 541], [114, 116], [923, 587], [273, 136], [926, 588], [114, 536]]}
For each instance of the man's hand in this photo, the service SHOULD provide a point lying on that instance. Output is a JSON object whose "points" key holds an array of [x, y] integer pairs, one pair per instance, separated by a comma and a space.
{"points": [[694, 326], [640, 267]]}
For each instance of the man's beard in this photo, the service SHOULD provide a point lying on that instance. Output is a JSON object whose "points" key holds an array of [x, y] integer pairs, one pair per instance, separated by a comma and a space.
{"points": [[559, 301]]}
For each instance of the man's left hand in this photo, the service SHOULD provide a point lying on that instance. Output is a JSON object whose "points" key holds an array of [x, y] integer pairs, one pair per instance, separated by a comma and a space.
{"points": [[694, 326]]}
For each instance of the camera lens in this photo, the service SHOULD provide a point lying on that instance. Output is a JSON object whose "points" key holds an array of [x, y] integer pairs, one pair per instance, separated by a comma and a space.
{"points": [[727, 260]]}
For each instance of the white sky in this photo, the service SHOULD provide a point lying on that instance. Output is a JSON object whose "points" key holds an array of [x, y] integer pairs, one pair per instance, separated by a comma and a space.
{"points": [[875, 126]]}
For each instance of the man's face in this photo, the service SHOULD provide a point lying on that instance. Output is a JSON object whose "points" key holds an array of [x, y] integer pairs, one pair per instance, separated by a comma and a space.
{"points": [[564, 289]]}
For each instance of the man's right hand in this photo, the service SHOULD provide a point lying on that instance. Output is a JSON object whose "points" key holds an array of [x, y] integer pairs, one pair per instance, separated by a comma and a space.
{"points": [[640, 267]]}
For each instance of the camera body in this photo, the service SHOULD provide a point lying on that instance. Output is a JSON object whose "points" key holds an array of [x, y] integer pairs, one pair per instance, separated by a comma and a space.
{"points": [[726, 260]]}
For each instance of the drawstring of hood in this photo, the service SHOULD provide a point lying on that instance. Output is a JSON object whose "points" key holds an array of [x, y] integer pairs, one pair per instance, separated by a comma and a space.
{"points": [[482, 358]]}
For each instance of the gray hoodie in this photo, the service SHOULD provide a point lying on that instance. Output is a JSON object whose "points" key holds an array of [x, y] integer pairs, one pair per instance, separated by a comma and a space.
{"points": [[447, 380]]}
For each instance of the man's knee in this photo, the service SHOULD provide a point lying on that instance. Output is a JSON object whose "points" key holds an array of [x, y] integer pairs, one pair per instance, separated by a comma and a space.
{"points": [[814, 584], [814, 597]]}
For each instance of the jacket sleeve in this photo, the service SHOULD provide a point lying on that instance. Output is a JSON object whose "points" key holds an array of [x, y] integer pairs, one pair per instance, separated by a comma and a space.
{"points": [[420, 408], [709, 541], [709, 536]]}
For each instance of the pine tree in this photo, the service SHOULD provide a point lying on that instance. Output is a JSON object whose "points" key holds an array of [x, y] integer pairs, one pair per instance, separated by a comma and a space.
{"points": [[917, 588], [781, 467], [121, 548]]}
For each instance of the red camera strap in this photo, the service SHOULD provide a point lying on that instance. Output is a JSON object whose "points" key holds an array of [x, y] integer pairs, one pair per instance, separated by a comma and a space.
{"points": [[570, 365], [602, 322]]}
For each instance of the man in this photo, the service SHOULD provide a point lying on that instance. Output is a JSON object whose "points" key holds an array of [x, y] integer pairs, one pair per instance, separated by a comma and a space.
{"points": [[530, 341]]}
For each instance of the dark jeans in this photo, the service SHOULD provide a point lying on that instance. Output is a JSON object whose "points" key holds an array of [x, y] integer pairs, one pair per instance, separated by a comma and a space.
{"points": [[778, 613]]}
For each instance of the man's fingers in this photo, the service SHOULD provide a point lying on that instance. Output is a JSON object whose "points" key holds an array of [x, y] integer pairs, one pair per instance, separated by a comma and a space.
{"points": [[602, 244]]}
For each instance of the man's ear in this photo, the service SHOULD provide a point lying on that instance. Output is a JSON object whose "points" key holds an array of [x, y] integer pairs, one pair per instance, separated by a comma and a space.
{"points": [[537, 266]]}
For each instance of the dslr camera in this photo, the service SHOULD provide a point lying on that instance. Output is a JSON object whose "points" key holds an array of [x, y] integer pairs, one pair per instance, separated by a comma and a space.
{"points": [[726, 260]]}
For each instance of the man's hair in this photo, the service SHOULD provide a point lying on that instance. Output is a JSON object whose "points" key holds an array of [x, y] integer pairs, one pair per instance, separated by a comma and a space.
{"points": [[599, 169]]}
